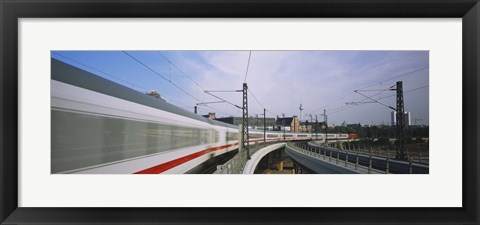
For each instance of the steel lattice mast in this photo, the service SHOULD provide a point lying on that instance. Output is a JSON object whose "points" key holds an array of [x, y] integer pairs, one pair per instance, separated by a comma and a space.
{"points": [[400, 117], [400, 122], [245, 121]]}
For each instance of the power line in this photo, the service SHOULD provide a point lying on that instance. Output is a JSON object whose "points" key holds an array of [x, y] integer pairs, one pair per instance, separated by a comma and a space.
{"points": [[216, 109], [416, 89], [248, 64], [256, 99], [405, 92], [178, 102], [335, 109], [271, 113], [198, 85], [333, 102], [375, 101], [261, 105], [170, 62], [208, 92], [372, 84], [135, 85], [398, 76], [144, 89], [146, 66], [342, 109], [347, 106], [351, 106], [103, 72]]}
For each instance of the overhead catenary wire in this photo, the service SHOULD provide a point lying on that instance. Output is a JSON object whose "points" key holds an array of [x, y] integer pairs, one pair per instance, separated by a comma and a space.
{"points": [[197, 84], [335, 101], [248, 64], [395, 77], [245, 80], [142, 89], [341, 109], [158, 74], [260, 104], [216, 110], [375, 101], [139, 87], [333, 111], [185, 74], [272, 113], [405, 92], [223, 100], [137, 60], [371, 84], [168, 99], [103, 72]]}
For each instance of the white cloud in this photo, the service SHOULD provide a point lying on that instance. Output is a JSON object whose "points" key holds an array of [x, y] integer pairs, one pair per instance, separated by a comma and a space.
{"points": [[281, 79]]}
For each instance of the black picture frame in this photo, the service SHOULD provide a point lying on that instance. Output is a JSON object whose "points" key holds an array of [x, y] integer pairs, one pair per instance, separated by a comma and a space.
{"points": [[11, 11]]}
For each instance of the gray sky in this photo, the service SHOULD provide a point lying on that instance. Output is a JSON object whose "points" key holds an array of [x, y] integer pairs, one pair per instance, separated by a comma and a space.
{"points": [[278, 80]]}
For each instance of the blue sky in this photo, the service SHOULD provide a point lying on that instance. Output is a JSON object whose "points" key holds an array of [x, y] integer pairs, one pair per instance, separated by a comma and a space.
{"points": [[278, 80]]}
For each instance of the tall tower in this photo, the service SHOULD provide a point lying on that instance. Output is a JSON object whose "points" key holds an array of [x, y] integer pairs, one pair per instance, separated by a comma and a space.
{"points": [[301, 109]]}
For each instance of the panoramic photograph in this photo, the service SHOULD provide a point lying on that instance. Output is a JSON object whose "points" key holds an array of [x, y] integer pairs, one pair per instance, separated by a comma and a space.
{"points": [[239, 112]]}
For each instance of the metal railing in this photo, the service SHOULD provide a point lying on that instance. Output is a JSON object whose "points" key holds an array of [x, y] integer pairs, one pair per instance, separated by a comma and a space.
{"points": [[414, 152], [361, 161]]}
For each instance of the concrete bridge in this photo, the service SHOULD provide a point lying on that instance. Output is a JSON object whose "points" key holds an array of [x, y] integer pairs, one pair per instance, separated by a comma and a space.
{"points": [[318, 158]]}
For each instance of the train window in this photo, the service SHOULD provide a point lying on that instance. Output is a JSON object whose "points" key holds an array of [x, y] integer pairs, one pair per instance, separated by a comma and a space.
{"points": [[255, 135], [233, 136], [215, 135], [272, 135]]}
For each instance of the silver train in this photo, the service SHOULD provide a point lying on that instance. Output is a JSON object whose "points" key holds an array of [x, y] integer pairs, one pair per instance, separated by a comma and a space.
{"points": [[100, 127]]}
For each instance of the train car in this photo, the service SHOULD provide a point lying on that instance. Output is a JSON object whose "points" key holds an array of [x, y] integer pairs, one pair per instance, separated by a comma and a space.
{"points": [[352, 136], [98, 126]]}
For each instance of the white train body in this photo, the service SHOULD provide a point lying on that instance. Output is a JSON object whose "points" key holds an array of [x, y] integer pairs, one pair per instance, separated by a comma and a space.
{"points": [[100, 127]]}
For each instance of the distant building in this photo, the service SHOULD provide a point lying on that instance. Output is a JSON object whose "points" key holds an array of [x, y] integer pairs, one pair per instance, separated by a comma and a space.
{"points": [[306, 126], [231, 120], [291, 124], [407, 117], [284, 123], [210, 116], [257, 123]]}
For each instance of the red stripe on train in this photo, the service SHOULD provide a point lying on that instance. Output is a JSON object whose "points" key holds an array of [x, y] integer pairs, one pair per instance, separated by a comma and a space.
{"points": [[170, 164]]}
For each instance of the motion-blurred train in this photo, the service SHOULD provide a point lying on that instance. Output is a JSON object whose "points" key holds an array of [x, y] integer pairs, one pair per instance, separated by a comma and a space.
{"points": [[101, 127]]}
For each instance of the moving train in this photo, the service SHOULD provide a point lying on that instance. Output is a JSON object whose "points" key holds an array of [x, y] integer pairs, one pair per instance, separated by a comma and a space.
{"points": [[101, 127]]}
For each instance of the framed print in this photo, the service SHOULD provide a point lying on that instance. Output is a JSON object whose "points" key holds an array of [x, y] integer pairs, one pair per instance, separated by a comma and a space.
{"points": [[74, 94]]}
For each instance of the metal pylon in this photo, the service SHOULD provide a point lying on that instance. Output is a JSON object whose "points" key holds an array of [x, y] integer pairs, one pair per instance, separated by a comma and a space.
{"points": [[245, 121], [400, 122]]}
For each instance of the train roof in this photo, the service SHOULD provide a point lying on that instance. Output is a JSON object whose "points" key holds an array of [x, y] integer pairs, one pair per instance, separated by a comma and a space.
{"points": [[69, 74]]}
